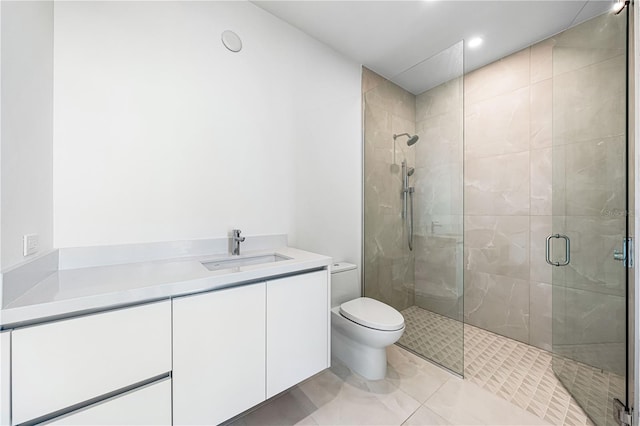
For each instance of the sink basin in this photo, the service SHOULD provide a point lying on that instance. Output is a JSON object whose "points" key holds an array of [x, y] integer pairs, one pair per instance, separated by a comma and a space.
{"points": [[216, 265]]}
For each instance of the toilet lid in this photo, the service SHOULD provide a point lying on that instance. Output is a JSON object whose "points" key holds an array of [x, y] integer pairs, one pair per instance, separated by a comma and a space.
{"points": [[372, 314]]}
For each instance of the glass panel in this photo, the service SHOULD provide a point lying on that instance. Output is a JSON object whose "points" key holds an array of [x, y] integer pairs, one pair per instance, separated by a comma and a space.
{"points": [[589, 207], [423, 281]]}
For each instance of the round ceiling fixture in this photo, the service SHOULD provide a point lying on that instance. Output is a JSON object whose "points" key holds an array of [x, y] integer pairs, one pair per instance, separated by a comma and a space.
{"points": [[231, 41]]}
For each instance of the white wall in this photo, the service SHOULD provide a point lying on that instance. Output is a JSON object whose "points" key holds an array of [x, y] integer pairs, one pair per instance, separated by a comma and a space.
{"points": [[26, 135], [162, 134], [329, 179]]}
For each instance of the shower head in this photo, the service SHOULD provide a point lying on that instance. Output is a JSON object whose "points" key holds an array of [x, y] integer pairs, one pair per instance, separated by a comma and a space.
{"points": [[412, 138], [410, 171]]}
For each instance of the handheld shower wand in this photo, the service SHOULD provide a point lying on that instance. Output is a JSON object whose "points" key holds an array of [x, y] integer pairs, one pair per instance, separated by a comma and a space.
{"points": [[407, 191], [407, 198]]}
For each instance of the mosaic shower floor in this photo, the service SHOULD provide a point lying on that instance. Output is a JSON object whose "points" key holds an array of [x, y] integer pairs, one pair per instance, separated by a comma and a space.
{"points": [[516, 372]]}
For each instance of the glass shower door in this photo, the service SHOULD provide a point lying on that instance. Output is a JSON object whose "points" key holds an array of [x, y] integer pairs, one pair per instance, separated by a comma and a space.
{"points": [[413, 196], [589, 222]]}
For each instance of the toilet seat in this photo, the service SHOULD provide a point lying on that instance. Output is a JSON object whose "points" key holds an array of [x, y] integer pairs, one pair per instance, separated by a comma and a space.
{"points": [[373, 314]]}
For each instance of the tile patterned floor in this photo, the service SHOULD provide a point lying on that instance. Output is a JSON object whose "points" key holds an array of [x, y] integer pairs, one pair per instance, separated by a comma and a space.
{"points": [[517, 372], [594, 388], [414, 392], [521, 374], [434, 336]]}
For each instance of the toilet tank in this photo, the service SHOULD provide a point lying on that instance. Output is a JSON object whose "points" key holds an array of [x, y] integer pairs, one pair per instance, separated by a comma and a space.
{"points": [[344, 283]]}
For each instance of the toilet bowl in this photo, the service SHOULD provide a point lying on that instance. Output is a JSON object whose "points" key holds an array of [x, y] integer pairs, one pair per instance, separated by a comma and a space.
{"points": [[361, 327]]}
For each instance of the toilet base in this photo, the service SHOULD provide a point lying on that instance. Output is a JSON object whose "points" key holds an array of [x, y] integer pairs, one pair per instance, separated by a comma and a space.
{"points": [[367, 361]]}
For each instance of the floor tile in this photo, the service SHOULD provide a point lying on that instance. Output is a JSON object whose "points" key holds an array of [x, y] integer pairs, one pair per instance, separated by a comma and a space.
{"points": [[459, 400], [413, 375], [425, 417]]}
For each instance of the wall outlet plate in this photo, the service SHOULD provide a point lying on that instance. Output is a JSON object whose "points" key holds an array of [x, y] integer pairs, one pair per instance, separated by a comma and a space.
{"points": [[30, 244]]}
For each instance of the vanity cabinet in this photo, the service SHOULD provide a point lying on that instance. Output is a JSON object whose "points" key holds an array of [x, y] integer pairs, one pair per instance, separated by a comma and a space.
{"points": [[234, 348], [218, 354], [64, 364], [297, 329], [196, 359]]}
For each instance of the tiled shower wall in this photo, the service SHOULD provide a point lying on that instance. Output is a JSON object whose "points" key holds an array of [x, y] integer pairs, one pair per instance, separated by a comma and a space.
{"points": [[439, 195], [508, 206], [388, 263], [507, 196], [507, 185], [561, 99]]}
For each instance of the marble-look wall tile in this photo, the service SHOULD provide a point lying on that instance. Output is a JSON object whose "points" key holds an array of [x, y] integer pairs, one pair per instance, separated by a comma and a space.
{"points": [[542, 60], [558, 181], [441, 139], [389, 267], [568, 59], [503, 76], [370, 80], [585, 317], [598, 90], [592, 266], [601, 32], [541, 114], [540, 227], [439, 274], [394, 99], [497, 185], [378, 123], [498, 125], [497, 245], [442, 99], [497, 303], [438, 190], [541, 181], [586, 44], [540, 330], [594, 175]]}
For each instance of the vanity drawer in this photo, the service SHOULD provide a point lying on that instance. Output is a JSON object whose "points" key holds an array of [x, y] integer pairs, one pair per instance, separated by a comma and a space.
{"points": [[149, 405], [63, 363]]}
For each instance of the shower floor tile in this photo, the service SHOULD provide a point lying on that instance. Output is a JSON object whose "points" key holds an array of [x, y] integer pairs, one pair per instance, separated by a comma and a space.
{"points": [[514, 371], [433, 336]]}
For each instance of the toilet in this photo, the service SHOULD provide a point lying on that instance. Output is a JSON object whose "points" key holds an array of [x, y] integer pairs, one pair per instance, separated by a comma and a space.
{"points": [[361, 327]]}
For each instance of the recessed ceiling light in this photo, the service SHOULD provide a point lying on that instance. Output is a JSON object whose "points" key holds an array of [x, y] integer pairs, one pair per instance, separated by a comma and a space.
{"points": [[474, 42], [618, 5]]}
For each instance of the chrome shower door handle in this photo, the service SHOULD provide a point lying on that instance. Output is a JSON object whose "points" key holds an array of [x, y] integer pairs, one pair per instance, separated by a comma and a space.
{"points": [[567, 250], [547, 251]]}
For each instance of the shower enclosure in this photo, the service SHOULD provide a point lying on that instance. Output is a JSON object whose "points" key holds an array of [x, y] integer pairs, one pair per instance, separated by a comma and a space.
{"points": [[528, 160], [413, 215]]}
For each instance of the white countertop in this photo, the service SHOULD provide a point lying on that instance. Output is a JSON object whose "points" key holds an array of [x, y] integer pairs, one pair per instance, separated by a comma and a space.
{"points": [[73, 291]]}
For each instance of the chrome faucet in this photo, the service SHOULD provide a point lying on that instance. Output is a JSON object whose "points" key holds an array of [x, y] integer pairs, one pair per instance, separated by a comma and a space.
{"points": [[237, 239]]}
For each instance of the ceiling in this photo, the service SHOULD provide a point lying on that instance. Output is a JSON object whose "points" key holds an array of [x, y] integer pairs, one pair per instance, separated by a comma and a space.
{"points": [[390, 37]]}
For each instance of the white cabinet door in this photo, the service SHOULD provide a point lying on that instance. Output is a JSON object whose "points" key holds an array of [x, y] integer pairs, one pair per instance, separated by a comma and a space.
{"points": [[63, 363], [149, 405], [297, 329], [5, 377], [218, 354]]}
